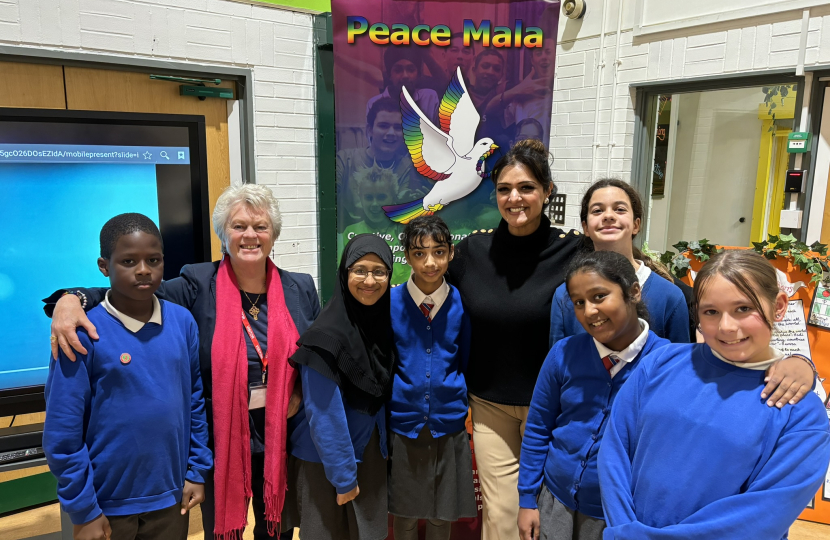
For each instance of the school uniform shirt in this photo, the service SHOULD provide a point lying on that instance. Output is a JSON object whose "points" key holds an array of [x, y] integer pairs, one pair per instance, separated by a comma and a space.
{"points": [[125, 423], [435, 299], [428, 385], [327, 430], [566, 421], [667, 309], [619, 359], [692, 452]]}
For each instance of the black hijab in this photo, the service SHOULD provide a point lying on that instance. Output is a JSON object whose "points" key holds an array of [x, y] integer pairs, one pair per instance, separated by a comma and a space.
{"points": [[351, 343]]}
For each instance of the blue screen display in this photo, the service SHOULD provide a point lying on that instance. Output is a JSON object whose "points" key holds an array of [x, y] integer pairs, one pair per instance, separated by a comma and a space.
{"points": [[51, 215]]}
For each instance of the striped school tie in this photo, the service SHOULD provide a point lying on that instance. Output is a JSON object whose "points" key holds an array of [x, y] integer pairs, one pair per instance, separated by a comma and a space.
{"points": [[610, 361], [426, 309]]}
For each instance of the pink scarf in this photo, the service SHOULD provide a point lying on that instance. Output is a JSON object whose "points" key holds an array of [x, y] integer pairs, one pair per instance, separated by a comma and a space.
{"points": [[232, 446]]}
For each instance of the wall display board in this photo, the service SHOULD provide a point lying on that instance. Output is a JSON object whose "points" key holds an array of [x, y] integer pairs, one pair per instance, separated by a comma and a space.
{"points": [[797, 333], [428, 95]]}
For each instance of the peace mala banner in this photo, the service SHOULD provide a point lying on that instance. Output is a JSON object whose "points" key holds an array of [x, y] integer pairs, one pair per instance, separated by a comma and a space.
{"points": [[428, 96]]}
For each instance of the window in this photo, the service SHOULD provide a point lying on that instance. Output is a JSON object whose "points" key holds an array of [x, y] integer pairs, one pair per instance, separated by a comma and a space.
{"points": [[717, 160]]}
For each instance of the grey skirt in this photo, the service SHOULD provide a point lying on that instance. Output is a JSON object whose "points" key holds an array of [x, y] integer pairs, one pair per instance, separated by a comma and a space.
{"points": [[432, 478], [558, 522], [311, 500]]}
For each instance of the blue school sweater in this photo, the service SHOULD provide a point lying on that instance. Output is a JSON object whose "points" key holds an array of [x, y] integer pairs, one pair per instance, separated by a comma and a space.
{"points": [[125, 423], [326, 430], [566, 421], [692, 452], [428, 386], [667, 310]]}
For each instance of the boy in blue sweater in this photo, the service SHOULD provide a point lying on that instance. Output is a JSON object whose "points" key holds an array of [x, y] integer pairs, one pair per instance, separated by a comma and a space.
{"points": [[431, 473], [126, 434]]}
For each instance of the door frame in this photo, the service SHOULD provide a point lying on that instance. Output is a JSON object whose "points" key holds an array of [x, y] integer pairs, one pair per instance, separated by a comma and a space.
{"points": [[645, 108], [242, 77]]}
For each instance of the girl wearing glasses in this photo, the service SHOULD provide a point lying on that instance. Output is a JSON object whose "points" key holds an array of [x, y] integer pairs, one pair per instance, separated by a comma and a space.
{"points": [[337, 467]]}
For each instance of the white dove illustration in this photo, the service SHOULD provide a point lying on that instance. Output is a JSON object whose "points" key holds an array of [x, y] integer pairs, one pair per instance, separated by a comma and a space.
{"points": [[450, 156]]}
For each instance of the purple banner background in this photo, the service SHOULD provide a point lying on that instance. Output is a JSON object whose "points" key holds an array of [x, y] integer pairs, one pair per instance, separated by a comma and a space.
{"points": [[511, 88]]}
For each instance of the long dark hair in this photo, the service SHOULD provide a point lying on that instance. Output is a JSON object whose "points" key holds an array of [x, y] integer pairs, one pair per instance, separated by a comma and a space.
{"points": [[533, 155], [747, 270], [636, 209], [610, 266]]}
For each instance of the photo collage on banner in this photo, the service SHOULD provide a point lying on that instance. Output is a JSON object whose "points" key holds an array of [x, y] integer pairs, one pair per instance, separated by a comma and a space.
{"points": [[428, 96]]}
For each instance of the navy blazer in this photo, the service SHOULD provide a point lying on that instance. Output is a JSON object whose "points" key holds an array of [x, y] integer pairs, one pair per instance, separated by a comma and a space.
{"points": [[195, 289]]}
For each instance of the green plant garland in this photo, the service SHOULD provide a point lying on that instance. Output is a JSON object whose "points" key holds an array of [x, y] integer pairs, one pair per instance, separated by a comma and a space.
{"points": [[679, 264], [810, 259]]}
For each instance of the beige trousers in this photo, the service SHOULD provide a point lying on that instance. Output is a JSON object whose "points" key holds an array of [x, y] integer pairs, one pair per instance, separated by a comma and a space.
{"points": [[497, 437]]}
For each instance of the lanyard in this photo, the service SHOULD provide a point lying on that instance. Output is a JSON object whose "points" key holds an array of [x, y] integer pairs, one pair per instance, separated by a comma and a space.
{"points": [[255, 341]]}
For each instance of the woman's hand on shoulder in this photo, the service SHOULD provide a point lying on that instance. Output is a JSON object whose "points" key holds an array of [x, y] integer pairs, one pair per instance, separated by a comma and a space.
{"points": [[67, 317], [788, 381], [346, 497], [529, 523]]}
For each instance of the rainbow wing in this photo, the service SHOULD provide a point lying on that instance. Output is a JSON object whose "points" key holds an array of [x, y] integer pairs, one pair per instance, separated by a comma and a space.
{"points": [[429, 147], [458, 116], [455, 91], [406, 212]]}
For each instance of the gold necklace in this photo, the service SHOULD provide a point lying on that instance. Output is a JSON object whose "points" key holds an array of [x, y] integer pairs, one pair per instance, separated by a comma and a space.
{"points": [[254, 311]]}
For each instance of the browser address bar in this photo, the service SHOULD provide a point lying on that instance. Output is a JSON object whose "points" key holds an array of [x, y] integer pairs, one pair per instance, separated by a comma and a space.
{"points": [[69, 153]]}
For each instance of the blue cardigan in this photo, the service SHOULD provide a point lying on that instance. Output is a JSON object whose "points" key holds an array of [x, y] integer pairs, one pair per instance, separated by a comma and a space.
{"points": [[428, 386], [692, 452], [122, 437], [566, 421], [667, 310]]}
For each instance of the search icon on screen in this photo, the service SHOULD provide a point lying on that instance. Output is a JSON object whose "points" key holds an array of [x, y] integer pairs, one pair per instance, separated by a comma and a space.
{"points": [[163, 154]]}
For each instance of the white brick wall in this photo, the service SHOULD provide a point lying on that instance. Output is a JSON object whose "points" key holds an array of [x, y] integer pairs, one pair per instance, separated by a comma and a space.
{"points": [[275, 43], [734, 48]]}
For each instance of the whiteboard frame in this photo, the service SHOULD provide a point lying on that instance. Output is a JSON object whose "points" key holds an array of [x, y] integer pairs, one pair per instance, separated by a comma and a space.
{"points": [[641, 29]]}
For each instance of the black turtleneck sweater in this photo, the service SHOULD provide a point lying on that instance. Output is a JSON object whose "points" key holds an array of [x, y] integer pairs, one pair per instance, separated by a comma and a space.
{"points": [[506, 284]]}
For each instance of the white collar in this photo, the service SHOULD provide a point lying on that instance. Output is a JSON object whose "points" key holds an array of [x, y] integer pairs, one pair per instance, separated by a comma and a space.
{"points": [[437, 298], [628, 354], [643, 273], [758, 366], [129, 323]]}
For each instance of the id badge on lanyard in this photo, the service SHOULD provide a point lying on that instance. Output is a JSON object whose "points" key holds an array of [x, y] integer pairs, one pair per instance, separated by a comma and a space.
{"points": [[258, 391]]}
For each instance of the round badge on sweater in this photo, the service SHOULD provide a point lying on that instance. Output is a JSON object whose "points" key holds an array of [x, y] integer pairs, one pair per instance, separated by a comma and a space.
{"points": [[125, 358]]}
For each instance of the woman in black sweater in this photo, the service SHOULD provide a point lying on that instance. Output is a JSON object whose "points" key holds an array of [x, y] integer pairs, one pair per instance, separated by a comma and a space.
{"points": [[507, 277]]}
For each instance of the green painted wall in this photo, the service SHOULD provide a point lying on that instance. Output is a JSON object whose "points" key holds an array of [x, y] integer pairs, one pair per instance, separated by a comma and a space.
{"points": [[313, 5]]}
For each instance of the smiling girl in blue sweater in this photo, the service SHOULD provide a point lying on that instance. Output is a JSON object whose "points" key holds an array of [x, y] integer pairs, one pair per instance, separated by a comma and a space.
{"points": [[559, 495], [690, 452], [611, 213]]}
